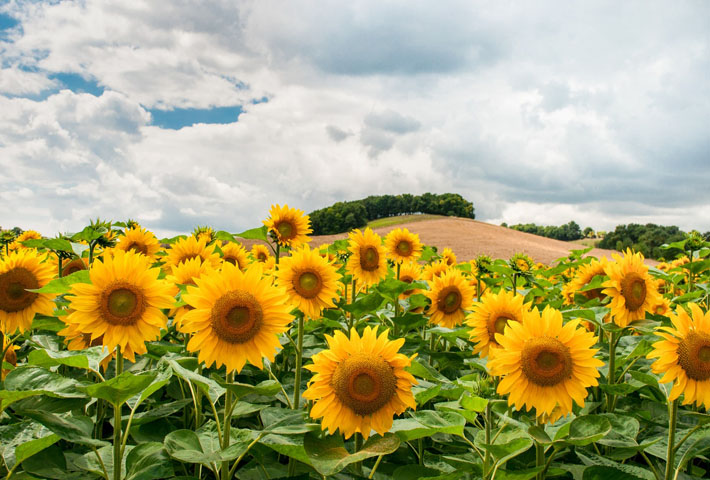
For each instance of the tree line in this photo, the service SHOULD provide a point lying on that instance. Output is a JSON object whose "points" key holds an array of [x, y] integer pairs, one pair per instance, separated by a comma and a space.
{"points": [[646, 239], [567, 232], [344, 216]]}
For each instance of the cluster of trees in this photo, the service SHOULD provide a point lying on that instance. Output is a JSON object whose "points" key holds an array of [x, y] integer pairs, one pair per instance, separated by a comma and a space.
{"points": [[567, 232], [646, 239], [344, 216]]}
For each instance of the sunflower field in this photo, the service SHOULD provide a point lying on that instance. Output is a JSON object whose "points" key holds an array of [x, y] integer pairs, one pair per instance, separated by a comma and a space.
{"points": [[129, 357]]}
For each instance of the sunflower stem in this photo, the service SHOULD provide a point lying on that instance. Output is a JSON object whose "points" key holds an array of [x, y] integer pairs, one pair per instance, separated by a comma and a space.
{"points": [[612, 371], [299, 361], [358, 446], [117, 422], [226, 434], [540, 453], [278, 253], [488, 419], [60, 266], [377, 464], [670, 455]]}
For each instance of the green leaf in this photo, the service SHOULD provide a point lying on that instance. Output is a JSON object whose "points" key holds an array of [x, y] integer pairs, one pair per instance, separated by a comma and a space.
{"points": [[588, 429], [539, 435], [284, 421], [474, 403], [20, 441], [414, 472], [119, 389], [611, 470], [266, 388], [90, 463], [49, 463], [329, 456], [427, 423], [75, 429], [697, 444], [427, 394], [505, 451], [392, 288], [163, 373], [29, 381], [368, 303], [63, 284], [162, 410], [88, 359], [209, 387], [225, 236], [148, 461], [604, 472], [426, 371], [259, 233], [289, 445], [203, 446], [618, 388]]}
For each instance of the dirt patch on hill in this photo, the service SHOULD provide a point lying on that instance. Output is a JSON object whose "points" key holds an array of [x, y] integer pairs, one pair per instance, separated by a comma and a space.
{"points": [[470, 238]]}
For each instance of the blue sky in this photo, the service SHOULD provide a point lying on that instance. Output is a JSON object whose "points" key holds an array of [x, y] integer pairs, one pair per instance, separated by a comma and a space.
{"points": [[208, 112]]}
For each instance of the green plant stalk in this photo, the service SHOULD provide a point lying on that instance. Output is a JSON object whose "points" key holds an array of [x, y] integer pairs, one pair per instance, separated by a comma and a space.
{"points": [[299, 362], [236, 462], [396, 306], [60, 266], [377, 464], [226, 434], [488, 419], [117, 422], [278, 252], [358, 446], [670, 453], [612, 370], [540, 453], [92, 245]]}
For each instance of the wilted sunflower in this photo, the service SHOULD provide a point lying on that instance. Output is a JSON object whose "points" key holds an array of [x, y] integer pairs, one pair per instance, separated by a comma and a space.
{"points": [[450, 295], [188, 248], [140, 241], [583, 277], [367, 264], [237, 317], [449, 257], [73, 265], [434, 270], [235, 254], [360, 383], [491, 315], [410, 272], [185, 273], [545, 364], [310, 281], [21, 271], [403, 246], [632, 290], [289, 225], [122, 303], [683, 356]]}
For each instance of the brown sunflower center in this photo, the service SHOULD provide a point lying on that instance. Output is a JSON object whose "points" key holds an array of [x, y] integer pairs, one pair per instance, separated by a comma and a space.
{"points": [[407, 279], [188, 256], [369, 258], [633, 289], [496, 324], [122, 303], [237, 316], [546, 361], [14, 283], [404, 248], [694, 355], [138, 247], [365, 383], [449, 300], [73, 266], [308, 283], [286, 230], [261, 257]]}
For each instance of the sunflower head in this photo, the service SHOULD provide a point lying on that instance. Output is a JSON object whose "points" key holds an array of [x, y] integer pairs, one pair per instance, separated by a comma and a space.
{"points": [[434, 270], [21, 271], [582, 278], [521, 263], [410, 272], [367, 262], [451, 295], [236, 317], [73, 265], [140, 241], [482, 265], [24, 236], [449, 257], [188, 248], [545, 364], [289, 226], [205, 232], [491, 315], [683, 355], [360, 383], [310, 282], [235, 254], [632, 290], [403, 246]]}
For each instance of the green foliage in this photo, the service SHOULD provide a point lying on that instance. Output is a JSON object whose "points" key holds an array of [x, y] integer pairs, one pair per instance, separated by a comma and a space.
{"points": [[567, 232], [344, 216], [646, 239]]}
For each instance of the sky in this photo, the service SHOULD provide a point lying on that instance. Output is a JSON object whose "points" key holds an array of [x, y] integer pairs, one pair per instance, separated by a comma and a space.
{"points": [[189, 112]]}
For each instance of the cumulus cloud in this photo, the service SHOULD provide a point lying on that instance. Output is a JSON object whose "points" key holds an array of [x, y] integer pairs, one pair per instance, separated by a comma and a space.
{"points": [[543, 112]]}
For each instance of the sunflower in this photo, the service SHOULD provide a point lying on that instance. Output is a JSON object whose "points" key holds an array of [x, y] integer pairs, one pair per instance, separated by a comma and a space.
{"points": [[545, 364], [139, 240], [237, 317], [185, 273], [403, 246], [360, 383], [10, 355], [521, 263], [584, 276], [26, 235], [367, 264], [235, 254], [289, 225], [76, 340], [410, 272], [73, 265], [450, 295], [205, 232], [683, 356], [260, 253], [449, 257], [632, 290], [190, 247], [310, 281], [122, 303], [434, 270], [21, 271], [663, 307], [491, 315]]}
